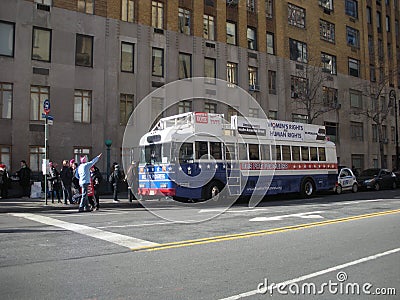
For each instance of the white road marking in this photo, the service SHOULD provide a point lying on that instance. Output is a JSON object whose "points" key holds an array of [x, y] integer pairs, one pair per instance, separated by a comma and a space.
{"points": [[315, 274], [136, 225], [304, 215], [232, 210], [115, 238]]}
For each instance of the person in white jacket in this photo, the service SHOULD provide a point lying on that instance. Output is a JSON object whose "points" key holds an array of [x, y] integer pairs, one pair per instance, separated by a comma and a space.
{"points": [[83, 174]]}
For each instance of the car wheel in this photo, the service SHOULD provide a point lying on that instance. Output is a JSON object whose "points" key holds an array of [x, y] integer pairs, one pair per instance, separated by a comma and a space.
{"points": [[339, 189], [354, 189], [377, 186], [394, 185]]}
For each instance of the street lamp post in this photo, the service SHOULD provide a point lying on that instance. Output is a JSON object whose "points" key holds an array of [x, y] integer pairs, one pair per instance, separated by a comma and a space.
{"points": [[392, 95], [108, 144]]}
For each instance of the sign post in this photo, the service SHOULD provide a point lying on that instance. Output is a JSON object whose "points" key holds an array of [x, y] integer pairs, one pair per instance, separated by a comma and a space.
{"points": [[46, 110]]}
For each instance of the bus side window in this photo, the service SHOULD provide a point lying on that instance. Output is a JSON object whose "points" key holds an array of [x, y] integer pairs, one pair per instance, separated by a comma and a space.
{"points": [[296, 153], [253, 152], [276, 152], [242, 151], [265, 152], [305, 155], [201, 150], [313, 153], [321, 154], [286, 153], [185, 152], [230, 152], [215, 149]]}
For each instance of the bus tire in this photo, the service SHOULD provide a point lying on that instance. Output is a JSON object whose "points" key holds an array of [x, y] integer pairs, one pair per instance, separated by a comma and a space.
{"points": [[212, 190], [307, 187]]}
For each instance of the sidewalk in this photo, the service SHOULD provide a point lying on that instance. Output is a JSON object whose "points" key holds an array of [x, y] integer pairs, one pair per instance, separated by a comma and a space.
{"points": [[12, 205]]}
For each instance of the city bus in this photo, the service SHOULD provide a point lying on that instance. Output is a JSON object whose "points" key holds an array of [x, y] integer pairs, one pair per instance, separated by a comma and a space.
{"points": [[197, 155]]}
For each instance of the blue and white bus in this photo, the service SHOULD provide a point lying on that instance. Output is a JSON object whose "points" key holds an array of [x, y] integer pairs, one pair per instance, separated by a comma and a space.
{"points": [[197, 155]]}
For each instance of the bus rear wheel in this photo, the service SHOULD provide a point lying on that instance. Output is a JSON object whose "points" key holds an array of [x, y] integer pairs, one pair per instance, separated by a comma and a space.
{"points": [[307, 187], [212, 190]]}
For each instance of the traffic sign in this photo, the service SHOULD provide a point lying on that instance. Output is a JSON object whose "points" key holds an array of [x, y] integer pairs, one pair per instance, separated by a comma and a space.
{"points": [[46, 106]]}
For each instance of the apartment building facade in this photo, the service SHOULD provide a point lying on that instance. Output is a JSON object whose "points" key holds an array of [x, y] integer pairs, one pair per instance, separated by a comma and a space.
{"points": [[95, 60]]}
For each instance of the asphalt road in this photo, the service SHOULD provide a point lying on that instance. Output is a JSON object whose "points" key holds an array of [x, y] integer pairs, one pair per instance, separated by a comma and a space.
{"points": [[332, 244]]}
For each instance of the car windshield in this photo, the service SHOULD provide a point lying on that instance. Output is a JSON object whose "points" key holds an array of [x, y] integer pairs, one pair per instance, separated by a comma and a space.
{"points": [[370, 172]]}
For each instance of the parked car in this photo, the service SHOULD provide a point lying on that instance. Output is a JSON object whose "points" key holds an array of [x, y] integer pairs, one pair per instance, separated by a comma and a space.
{"points": [[346, 181], [377, 179]]}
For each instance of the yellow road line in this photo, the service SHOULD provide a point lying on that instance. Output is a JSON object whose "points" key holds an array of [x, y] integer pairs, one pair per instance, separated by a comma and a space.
{"points": [[230, 237]]}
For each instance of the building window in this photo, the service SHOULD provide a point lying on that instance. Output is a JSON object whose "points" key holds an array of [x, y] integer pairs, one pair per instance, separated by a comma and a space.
{"points": [[84, 50], [184, 106], [86, 6], [128, 11], [269, 8], [251, 38], [326, 4], [332, 131], [298, 51], [41, 44], [253, 112], [380, 49], [5, 156], [392, 134], [372, 73], [330, 97], [231, 73], [355, 99], [126, 106], [272, 82], [210, 107], [208, 27], [251, 5], [270, 43], [231, 33], [299, 118], [81, 151], [353, 37], [369, 15], [185, 65], [6, 99], [82, 104], [357, 131], [253, 78], [127, 57], [387, 24], [157, 62], [7, 38], [328, 63], [184, 21], [357, 160], [45, 2], [374, 133], [327, 31], [157, 14], [273, 115], [38, 95], [296, 16], [298, 87], [209, 70], [36, 156], [378, 21], [351, 8], [232, 111], [354, 67]]}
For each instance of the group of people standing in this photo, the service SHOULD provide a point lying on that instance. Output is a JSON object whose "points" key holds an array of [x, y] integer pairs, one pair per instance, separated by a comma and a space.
{"points": [[24, 178]]}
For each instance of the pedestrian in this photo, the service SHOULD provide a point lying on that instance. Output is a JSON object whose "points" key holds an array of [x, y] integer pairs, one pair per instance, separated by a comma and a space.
{"points": [[132, 180], [66, 181], [76, 195], [54, 182], [97, 178], [24, 175], [115, 178], [83, 174], [4, 181]]}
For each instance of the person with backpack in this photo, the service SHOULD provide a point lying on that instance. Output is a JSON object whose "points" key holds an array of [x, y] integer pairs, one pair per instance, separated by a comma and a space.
{"points": [[114, 179], [96, 178]]}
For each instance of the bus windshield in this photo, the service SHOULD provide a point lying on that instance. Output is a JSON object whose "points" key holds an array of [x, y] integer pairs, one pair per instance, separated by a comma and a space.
{"points": [[155, 153]]}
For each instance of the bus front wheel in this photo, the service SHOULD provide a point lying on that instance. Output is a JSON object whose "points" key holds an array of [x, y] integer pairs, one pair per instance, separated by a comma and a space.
{"points": [[307, 187], [212, 190]]}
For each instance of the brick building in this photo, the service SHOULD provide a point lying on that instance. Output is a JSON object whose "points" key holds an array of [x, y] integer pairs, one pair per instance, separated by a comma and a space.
{"points": [[96, 59]]}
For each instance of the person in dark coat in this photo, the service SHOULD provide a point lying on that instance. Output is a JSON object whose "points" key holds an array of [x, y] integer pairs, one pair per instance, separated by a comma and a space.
{"points": [[54, 180], [96, 178], [66, 181], [4, 181], [115, 178], [24, 175], [132, 180]]}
